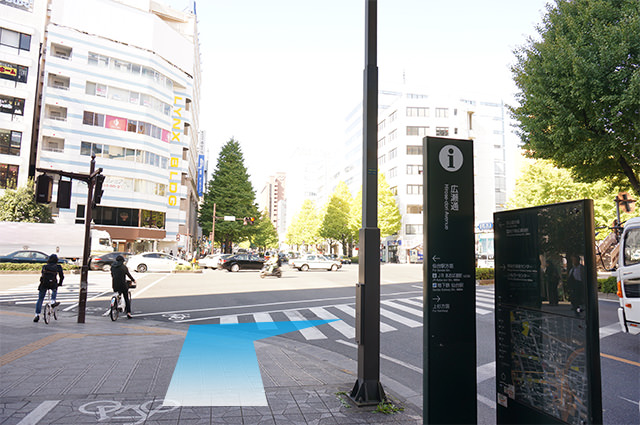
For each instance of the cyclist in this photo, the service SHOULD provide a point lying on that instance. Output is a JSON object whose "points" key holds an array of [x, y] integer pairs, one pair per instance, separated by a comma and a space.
{"points": [[119, 272], [49, 281]]}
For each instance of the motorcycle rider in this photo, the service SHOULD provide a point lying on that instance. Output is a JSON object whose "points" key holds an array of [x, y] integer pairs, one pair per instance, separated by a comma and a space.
{"points": [[273, 264]]}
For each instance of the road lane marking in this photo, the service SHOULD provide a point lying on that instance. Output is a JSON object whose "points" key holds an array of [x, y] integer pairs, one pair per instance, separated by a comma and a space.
{"points": [[619, 359], [308, 333], [611, 329], [352, 312], [39, 412], [404, 308], [398, 318]]}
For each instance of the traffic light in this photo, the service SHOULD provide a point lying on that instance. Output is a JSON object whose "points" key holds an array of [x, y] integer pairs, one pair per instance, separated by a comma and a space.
{"points": [[97, 190], [252, 220], [245, 221], [44, 185], [64, 194]]}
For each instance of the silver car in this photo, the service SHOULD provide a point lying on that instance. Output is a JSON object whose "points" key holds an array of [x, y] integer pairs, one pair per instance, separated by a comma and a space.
{"points": [[315, 261]]}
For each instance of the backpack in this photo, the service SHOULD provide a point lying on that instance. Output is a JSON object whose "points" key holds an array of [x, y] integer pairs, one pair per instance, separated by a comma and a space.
{"points": [[49, 277]]}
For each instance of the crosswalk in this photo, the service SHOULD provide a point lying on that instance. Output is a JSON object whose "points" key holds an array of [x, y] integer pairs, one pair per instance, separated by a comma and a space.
{"points": [[99, 285], [395, 314]]}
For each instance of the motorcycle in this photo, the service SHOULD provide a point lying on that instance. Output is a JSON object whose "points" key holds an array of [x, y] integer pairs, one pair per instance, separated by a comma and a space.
{"points": [[269, 270]]}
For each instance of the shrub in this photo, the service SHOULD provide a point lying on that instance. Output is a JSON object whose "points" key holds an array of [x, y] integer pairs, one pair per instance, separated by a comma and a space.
{"points": [[608, 285], [485, 274], [34, 267], [354, 260]]}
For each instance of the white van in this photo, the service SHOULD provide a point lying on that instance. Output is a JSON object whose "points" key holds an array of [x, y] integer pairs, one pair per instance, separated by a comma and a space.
{"points": [[629, 277]]}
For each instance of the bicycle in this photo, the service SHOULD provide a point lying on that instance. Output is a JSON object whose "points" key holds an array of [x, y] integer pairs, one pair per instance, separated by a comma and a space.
{"points": [[117, 302], [49, 309]]}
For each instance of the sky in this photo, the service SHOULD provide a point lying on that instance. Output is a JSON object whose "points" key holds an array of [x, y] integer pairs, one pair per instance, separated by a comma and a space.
{"points": [[282, 75]]}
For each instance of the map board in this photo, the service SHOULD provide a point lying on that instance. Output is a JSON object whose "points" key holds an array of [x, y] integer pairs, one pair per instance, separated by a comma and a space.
{"points": [[547, 344], [449, 282]]}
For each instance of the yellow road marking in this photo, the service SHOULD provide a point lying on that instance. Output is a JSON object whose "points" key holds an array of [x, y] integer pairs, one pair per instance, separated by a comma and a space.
{"points": [[36, 345], [619, 359]]}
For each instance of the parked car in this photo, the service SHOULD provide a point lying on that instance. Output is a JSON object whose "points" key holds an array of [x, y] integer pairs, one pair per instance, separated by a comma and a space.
{"points": [[341, 258], [212, 261], [28, 256], [239, 262], [104, 261], [154, 262], [314, 261]]}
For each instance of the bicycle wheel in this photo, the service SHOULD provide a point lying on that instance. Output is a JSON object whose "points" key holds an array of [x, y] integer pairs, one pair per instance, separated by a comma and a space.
{"points": [[55, 312], [47, 313], [113, 312]]}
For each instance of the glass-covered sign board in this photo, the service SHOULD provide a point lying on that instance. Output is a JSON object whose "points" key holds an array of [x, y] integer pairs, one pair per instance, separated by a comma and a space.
{"points": [[547, 346]]}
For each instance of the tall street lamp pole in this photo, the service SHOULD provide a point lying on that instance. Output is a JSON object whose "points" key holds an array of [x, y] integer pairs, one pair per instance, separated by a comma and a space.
{"points": [[368, 389]]}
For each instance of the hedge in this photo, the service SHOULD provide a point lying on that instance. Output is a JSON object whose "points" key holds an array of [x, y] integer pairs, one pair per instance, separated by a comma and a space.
{"points": [[485, 274], [35, 267], [608, 285]]}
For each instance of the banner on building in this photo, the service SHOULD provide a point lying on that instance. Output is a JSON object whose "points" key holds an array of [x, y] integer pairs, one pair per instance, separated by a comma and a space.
{"points": [[200, 175]]}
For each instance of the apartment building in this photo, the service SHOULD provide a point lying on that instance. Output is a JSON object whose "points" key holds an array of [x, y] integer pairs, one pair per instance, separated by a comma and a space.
{"points": [[22, 26], [405, 118], [121, 82]]}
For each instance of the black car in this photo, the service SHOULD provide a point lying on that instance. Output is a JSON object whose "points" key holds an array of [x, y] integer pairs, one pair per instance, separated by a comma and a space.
{"points": [[242, 262], [104, 261], [27, 256]]}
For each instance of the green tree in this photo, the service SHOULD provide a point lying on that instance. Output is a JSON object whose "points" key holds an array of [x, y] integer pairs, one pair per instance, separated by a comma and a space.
{"points": [[389, 217], [579, 90], [541, 183], [20, 205], [335, 223], [231, 191], [303, 230], [266, 236]]}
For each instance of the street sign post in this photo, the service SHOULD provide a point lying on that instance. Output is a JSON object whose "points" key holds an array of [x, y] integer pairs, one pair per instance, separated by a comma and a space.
{"points": [[449, 283]]}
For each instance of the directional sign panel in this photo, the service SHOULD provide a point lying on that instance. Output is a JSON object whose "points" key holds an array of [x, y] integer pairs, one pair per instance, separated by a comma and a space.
{"points": [[449, 282]]}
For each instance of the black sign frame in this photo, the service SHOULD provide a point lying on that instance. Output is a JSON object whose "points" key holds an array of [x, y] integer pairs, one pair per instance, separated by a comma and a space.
{"points": [[546, 319], [449, 333]]}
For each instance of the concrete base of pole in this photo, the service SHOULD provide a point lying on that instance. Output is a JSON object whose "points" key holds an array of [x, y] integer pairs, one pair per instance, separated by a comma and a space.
{"points": [[367, 393]]}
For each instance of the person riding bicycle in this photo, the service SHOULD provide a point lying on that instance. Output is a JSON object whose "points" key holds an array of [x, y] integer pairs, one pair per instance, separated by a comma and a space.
{"points": [[119, 272], [49, 281]]}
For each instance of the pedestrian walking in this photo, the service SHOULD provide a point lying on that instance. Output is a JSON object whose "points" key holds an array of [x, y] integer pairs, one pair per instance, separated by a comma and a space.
{"points": [[119, 273], [49, 281]]}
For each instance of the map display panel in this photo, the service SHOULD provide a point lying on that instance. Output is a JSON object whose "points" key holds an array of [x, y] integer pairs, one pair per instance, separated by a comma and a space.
{"points": [[546, 315]]}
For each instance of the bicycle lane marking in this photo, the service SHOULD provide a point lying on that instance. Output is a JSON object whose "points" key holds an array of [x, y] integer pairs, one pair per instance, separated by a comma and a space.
{"points": [[39, 412], [114, 410]]}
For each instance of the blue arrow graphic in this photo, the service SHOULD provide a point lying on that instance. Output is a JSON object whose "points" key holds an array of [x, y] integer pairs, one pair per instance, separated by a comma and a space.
{"points": [[218, 365]]}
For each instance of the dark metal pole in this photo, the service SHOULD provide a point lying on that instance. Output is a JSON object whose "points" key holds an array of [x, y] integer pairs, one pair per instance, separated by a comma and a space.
{"points": [[368, 389], [84, 271]]}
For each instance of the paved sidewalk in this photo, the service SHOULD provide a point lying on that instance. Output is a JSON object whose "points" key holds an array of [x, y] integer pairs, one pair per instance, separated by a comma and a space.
{"points": [[118, 373]]}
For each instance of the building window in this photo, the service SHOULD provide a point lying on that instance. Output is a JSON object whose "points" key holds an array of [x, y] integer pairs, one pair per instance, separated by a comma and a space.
{"points": [[414, 189], [11, 105], [394, 190], [413, 111], [413, 229], [417, 131], [414, 150], [10, 142], [15, 39], [442, 112], [416, 96], [60, 51], [442, 131], [381, 126], [13, 72], [393, 153], [152, 219], [393, 172], [381, 143], [52, 144], [382, 159], [414, 209], [92, 118], [393, 116], [393, 135], [8, 176], [413, 169]]}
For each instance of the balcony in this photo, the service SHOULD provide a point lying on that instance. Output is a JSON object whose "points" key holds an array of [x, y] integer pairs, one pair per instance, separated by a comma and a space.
{"points": [[58, 82]]}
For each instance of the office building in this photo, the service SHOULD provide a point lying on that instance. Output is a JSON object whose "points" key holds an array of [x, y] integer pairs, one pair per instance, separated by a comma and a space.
{"points": [[121, 81]]}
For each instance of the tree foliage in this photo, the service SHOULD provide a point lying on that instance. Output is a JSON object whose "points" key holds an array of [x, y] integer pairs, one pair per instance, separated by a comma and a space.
{"points": [[20, 205], [541, 183], [232, 193], [303, 230], [579, 90], [389, 217], [335, 223], [266, 236]]}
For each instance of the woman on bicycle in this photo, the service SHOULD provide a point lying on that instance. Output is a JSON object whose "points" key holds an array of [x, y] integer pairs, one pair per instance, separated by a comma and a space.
{"points": [[49, 281], [119, 272]]}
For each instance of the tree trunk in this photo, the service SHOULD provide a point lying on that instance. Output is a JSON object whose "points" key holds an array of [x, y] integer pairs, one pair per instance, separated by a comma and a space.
{"points": [[628, 171]]}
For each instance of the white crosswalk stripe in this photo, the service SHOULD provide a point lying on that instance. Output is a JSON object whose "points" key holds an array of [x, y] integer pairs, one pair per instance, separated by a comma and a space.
{"points": [[308, 333], [339, 325]]}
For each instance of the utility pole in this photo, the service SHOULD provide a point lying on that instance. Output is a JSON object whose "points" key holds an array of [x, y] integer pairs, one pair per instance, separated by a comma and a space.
{"points": [[368, 389], [90, 179], [213, 226]]}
